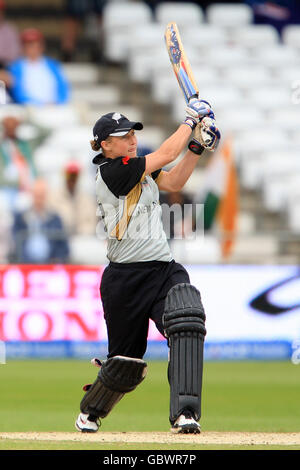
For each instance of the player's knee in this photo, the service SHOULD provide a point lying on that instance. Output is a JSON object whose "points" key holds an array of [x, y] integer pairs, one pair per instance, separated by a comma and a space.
{"points": [[184, 311], [122, 374]]}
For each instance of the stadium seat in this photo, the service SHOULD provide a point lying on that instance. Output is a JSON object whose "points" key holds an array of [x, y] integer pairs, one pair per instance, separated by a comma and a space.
{"points": [[165, 86], [226, 56], [145, 37], [276, 189], [219, 98], [291, 35], [50, 160], [80, 74], [222, 96], [287, 75], [277, 170], [140, 65], [269, 97], [96, 95], [278, 55], [125, 14], [74, 142], [256, 166], [258, 139], [254, 36], [239, 118], [229, 15], [183, 13], [159, 63], [70, 138], [295, 138], [283, 162], [118, 19], [145, 43], [246, 76], [287, 117], [208, 34], [54, 116]]}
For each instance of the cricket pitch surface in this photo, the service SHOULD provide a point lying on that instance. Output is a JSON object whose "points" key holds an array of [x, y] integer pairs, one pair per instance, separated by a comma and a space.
{"points": [[209, 437]]}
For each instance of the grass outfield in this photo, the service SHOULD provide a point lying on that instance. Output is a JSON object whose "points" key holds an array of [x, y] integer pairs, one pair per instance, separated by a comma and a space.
{"points": [[241, 396]]}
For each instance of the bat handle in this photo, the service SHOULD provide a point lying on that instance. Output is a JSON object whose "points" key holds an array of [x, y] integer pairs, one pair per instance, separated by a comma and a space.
{"points": [[192, 97]]}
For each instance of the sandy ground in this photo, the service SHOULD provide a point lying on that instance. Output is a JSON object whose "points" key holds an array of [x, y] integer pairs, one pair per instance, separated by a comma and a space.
{"points": [[230, 438]]}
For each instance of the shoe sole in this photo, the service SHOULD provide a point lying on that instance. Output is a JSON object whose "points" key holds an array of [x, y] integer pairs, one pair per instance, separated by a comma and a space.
{"points": [[188, 429]]}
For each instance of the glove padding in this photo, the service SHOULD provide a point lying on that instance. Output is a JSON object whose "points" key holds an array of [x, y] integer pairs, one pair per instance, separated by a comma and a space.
{"points": [[207, 136], [197, 109]]}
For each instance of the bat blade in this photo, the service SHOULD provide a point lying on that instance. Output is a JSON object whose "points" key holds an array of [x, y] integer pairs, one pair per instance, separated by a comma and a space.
{"points": [[180, 63]]}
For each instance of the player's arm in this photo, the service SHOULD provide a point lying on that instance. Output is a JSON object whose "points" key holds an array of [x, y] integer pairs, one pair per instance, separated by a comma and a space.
{"points": [[175, 179], [169, 150], [175, 144], [204, 138]]}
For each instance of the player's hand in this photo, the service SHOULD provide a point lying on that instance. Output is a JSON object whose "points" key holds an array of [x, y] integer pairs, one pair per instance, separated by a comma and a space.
{"points": [[198, 109], [206, 136]]}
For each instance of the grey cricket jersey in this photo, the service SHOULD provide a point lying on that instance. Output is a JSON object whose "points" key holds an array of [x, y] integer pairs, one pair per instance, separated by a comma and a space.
{"points": [[129, 206]]}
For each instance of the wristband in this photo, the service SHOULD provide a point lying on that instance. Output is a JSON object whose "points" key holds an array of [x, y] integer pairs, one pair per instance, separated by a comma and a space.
{"points": [[195, 147], [190, 122]]}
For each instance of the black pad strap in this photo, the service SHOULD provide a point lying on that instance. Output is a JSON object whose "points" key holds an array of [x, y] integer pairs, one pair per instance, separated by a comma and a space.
{"points": [[117, 376]]}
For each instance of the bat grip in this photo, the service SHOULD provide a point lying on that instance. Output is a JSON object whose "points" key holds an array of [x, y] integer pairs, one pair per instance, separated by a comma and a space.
{"points": [[195, 95]]}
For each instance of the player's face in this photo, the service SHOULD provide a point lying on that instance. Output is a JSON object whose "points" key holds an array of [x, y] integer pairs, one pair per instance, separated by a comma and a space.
{"points": [[122, 146]]}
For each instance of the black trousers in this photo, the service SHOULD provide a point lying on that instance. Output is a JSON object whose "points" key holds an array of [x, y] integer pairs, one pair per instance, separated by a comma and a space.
{"points": [[132, 294]]}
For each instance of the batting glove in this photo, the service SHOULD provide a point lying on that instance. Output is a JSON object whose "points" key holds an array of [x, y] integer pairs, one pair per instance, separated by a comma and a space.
{"points": [[196, 110], [207, 136]]}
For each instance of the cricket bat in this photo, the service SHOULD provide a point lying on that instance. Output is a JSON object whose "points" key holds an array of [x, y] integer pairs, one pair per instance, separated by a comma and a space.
{"points": [[184, 73], [180, 63]]}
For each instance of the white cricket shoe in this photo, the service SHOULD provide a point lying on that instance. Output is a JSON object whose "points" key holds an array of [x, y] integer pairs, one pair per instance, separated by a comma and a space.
{"points": [[84, 424], [186, 424]]}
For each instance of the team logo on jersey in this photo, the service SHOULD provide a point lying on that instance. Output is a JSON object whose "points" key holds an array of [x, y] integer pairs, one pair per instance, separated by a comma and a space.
{"points": [[125, 160]]}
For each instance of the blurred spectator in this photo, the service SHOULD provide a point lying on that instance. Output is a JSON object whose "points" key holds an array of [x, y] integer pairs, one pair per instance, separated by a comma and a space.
{"points": [[36, 78], [278, 13], [38, 233], [76, 11], [174, 213], [76, 208], [10, 45], [17, 169]]}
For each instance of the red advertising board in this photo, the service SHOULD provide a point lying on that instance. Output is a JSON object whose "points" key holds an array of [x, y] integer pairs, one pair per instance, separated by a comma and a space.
{"points": [[52, 303]]}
